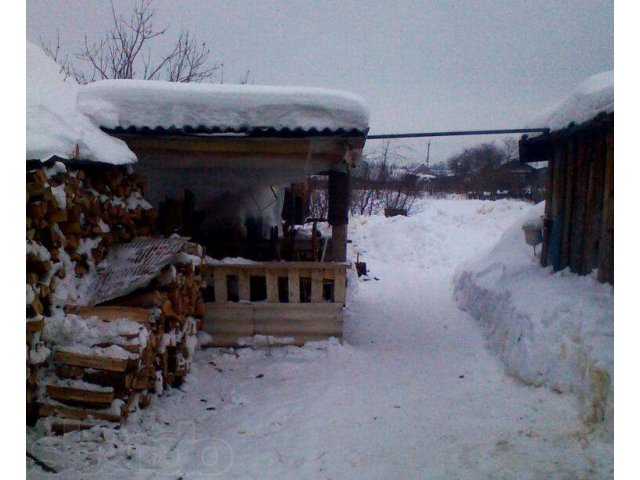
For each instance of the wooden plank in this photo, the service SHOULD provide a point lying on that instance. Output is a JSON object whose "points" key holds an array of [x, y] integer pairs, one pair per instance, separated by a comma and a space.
{"points": [[77, 413], [244, 285], [272, 287], [117, 380], [65, 394], [34, 326], [220, 285], [294, 286], [331, 325], [340, 287], [316, 286], [580, 199], [229, 324], [229, 145], [141, 381], [568, 204], [282, 265], [111, 313], [60, 427], [222, 314], [595, 203], [90, 361], [297, 339], [557, 201], [605, 251]]}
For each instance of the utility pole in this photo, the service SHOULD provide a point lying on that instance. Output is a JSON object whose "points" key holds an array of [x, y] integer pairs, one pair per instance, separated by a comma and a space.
{"points": [[428, 150]]}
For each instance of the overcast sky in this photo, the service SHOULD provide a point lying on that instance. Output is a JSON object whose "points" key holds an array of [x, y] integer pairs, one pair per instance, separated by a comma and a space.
{"points": [[421, 65]]}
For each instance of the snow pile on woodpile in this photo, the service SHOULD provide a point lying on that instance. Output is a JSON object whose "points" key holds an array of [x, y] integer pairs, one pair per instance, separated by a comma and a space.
{"points": [[55, 125], [550, 329], [89, 364]]}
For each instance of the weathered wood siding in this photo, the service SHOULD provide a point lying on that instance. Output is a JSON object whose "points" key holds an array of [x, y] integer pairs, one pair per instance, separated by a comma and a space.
{"points": [[578, 231]]}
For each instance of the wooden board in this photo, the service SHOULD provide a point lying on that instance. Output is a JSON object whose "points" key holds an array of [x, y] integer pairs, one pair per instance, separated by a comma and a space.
{"points": [[227, 323], [90, 361], [111, 313], [78, 413], [340, 287], [605, 252], [65, 394], [294, 286], [316, 286]]}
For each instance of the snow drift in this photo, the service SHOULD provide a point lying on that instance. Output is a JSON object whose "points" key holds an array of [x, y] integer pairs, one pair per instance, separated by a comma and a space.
{"points": [[553, 330]]}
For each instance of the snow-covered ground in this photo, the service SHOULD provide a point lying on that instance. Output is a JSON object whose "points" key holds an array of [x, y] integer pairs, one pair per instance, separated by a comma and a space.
{"points": [[412, 393]]}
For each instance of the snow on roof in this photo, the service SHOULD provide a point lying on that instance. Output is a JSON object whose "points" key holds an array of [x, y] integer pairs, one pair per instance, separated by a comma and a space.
{"points": [[55, 126], [591, 97], [211, 108]]}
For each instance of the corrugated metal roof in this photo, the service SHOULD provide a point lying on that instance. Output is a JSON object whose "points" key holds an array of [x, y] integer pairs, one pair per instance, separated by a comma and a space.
{"points": [[252, 132]]}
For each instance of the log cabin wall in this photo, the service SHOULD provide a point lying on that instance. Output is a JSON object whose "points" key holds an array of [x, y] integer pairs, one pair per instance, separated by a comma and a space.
{"points": [[578, 227]]}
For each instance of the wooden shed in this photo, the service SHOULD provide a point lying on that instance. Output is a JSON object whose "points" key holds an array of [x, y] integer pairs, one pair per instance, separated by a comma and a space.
{"points": [[578, 221], [220, 161]]}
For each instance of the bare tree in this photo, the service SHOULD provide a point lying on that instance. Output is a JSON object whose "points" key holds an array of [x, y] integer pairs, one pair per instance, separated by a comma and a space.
{"points": [[319, 203], [510, 147], [378, 183], [55, 52], [126, 52]]}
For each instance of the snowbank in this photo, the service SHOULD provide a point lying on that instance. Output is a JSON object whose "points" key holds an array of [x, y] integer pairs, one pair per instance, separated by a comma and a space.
{"points": [[156, 104], [591, 97], [55, 126], [549, 329]]}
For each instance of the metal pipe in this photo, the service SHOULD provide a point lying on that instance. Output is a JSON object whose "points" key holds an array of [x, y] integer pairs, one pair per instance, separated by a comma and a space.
{"points": [[457, 133]]}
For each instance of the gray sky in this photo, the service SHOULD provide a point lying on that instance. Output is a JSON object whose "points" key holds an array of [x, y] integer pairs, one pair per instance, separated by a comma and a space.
{"points": [[421, 65]]}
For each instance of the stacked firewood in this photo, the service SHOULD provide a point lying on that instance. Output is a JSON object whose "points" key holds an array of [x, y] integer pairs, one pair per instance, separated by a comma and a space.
{"points": [[177, 297], [103, 380], [100, 375], [73, 217]]}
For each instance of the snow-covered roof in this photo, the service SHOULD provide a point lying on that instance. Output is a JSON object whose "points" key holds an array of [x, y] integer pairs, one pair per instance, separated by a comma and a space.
{"points": [[212, 108], [590, 98], [55, 126]]}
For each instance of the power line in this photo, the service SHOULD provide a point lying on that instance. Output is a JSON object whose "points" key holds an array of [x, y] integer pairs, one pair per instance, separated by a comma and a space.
{"points": [[457, 133]]}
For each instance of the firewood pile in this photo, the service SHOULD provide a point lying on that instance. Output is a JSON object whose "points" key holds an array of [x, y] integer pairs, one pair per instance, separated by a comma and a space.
{"points": [[91, 364]]}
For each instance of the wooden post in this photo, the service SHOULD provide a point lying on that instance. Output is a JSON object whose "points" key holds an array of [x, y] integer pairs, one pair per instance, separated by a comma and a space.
{"points": [[340, 286], [220, 285], [294, 286], [339, 214], [272, 286], [316, 286], [244, 285]]}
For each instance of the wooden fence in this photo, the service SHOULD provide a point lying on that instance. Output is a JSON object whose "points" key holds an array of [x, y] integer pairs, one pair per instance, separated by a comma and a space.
{"points": [[275, 302]]}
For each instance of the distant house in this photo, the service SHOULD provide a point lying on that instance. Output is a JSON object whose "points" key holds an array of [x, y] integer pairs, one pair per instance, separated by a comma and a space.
{"points": [[578, 221]]}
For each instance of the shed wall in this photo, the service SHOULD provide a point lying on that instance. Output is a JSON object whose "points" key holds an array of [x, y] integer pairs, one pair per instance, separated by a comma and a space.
{"points": [[579, 211]]}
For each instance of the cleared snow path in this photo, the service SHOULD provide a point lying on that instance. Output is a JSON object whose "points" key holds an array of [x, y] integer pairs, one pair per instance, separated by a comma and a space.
{"points": [[413, 392]]}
